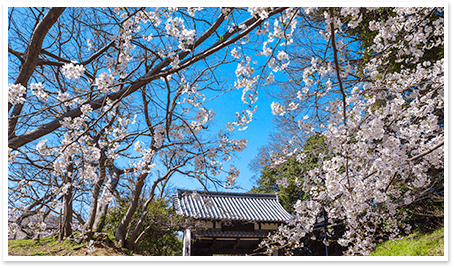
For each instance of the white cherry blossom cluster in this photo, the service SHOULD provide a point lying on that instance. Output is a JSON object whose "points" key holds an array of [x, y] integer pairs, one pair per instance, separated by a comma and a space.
{"points": [[191, 95], [73, 70], [42, 148], [16, 93], [282, 182], [229, 145], [201, 118], [38, 91], [232, 175], [145, 164], [12, 155], [247, 68], [13, 229], [356, 17], [106, 83], [150, 16], [118, 66], [261, 12], [192, 10], [175, 27]]}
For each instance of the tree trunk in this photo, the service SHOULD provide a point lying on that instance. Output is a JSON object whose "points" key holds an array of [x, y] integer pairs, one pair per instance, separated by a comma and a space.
{"points": [[88, 228], [132, 240], [67, 215], [120, 234], [109, 189], [66, 229]]}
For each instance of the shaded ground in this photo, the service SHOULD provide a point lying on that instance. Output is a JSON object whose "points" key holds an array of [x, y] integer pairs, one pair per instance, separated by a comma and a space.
{"points": [[51, 247]]}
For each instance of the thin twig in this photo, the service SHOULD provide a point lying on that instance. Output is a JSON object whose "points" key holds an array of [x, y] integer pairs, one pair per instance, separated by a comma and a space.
{"points": [[336, 62]]}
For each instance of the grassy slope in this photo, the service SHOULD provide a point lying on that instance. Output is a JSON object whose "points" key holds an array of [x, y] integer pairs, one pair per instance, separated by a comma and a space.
{"points": [[51, 247], [413, 245]]}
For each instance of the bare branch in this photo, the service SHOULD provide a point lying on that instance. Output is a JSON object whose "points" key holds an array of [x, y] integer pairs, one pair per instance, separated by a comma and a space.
{"points": [[426, 152], [31, 58]]}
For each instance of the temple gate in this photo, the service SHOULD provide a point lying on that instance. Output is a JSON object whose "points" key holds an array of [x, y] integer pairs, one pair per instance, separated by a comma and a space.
{"points": [[228, 223]]}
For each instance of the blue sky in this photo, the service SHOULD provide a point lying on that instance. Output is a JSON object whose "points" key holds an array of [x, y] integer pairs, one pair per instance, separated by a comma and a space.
{"points": [[225, 107], [256, 134]]}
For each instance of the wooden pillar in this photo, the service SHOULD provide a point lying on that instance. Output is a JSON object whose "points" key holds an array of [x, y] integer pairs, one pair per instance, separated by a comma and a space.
{"points": [[187, 243]]}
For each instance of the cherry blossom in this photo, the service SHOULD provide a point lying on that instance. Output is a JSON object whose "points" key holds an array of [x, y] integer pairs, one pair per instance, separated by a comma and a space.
{"points": [[70, 70], [15, 93], [370, 148]]}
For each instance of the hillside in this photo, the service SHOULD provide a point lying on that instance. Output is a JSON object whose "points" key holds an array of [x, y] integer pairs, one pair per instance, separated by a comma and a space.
{"points": [[50, 246], [416, 244]]}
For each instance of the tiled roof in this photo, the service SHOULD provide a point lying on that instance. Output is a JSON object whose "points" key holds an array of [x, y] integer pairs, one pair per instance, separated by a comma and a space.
{"points": [[230, 206]]}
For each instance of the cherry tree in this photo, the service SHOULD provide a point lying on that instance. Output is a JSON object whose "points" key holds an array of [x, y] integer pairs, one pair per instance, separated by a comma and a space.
{"points": [[100, 99], [374, 89]]}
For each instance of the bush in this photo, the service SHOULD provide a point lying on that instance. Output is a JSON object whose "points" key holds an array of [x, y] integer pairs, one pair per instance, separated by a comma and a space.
{"points": [[161, 239]]}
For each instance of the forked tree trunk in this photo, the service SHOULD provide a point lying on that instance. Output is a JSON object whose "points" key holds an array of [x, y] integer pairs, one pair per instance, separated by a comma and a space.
{"points": [[120, 234], [88, 228], [109, 189]]}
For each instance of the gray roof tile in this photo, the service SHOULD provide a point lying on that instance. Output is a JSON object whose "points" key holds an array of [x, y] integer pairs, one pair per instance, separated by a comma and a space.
{"points": [[230, 206]]}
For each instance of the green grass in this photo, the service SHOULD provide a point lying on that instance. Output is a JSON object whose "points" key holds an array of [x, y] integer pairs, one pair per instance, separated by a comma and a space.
{"points": [[416, 244], [45, 246], [51, 246], [39, 253]]}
